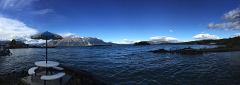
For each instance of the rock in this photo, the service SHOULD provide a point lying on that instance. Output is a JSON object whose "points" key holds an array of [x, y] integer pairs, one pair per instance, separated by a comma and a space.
{"points": [[188, 51], [4, 51], [160, 51], [184, 51]]}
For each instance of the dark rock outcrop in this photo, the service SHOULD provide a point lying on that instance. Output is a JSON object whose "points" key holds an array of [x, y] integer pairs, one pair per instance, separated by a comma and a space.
{"points": [[160, 51], [184, 51], [4, 51], [188, 51]]}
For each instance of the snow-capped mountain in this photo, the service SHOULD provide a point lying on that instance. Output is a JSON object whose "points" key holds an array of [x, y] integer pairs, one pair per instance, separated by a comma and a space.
{"points": [[77, 41]]}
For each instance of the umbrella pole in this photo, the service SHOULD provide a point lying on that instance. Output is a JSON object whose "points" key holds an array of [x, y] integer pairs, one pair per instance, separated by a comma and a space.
{"points": [[46, 51], [46, 57]]}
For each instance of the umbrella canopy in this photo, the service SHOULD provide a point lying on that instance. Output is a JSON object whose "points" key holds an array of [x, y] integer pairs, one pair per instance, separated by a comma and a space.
{"points": [[46, 36]]}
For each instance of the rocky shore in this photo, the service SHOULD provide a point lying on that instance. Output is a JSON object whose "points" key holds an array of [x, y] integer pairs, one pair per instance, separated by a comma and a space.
{"points": [[79, 77], [4, 51]]}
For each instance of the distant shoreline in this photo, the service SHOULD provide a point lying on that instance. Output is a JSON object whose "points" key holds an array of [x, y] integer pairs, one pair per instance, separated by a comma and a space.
{"points": [[192, 51]]}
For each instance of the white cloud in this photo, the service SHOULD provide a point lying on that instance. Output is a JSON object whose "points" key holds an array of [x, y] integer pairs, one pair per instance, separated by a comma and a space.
{"points": [[236, 35], [205, 36], [163, 39], [233, 15], [23, 7], [15, 29], [171, 30], [69, 35], [15, 4], [43, 11], [231, 21], [152, 40], [127, 41]]}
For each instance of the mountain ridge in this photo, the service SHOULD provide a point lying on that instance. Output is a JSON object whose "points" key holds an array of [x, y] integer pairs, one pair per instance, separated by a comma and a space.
{"points": [[78, 41]]}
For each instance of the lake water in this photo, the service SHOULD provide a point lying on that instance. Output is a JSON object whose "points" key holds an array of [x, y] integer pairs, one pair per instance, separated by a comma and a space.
{"points": [[132, 65]]}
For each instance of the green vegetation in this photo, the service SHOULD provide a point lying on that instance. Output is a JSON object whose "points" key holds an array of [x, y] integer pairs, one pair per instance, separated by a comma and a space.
{"points": [[142, 43]]}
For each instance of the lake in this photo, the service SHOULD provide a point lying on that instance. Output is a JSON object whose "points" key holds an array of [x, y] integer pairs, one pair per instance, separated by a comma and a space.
{"points": [[131, 65]]}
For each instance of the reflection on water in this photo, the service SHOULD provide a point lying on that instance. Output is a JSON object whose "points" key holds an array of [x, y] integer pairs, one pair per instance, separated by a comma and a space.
{"points": [[135, 65]]}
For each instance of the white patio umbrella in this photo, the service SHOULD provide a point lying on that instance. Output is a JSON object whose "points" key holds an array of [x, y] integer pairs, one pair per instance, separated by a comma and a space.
{"points": [[46, 36]]}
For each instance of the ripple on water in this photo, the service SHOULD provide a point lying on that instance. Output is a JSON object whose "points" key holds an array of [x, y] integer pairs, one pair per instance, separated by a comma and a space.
{"points": [[135, 65]]}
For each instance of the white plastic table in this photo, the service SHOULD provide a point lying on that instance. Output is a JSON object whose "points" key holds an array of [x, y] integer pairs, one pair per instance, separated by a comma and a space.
{"points": [[49, 64]]}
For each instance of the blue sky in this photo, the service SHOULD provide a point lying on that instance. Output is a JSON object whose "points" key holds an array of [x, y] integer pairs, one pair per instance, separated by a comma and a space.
{"points": [[119, 20]]}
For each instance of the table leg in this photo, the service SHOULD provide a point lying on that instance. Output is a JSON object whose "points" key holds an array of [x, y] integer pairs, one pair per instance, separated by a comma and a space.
{"points": [[45, 83]]}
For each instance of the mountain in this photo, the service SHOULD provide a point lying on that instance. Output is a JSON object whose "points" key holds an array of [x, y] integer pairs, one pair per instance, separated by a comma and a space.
{"points": [[161, 42], [77, 41], [14, 44], [157, 41], [229, 42]]}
